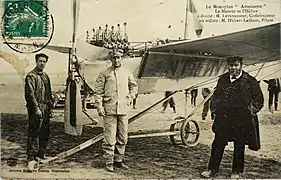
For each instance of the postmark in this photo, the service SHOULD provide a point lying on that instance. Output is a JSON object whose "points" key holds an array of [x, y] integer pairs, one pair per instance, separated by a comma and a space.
{"points": [[27, 25]]}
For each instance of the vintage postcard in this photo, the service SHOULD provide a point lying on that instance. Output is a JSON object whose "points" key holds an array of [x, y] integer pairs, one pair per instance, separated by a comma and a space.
{"points": [[140, 89]]}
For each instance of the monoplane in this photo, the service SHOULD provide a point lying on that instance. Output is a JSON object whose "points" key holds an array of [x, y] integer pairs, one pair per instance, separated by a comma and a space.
{"points": [[177, 66]]}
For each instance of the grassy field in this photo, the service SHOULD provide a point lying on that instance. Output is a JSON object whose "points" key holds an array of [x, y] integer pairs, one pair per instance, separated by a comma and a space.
{"points": [[147, 157]]}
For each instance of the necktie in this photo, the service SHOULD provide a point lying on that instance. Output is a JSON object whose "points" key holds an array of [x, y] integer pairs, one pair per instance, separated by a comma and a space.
{"points": [[233, 77]]}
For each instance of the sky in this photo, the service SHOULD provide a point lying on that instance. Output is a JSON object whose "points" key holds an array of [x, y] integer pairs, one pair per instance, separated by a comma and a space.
{"points": [[146, 20]]}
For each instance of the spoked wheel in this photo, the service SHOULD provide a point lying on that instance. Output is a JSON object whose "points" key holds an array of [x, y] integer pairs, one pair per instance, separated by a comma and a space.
{"points": [[190, 133], [176, 127]]}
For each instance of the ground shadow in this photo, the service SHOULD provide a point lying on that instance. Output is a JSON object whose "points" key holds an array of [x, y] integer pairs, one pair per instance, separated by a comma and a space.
{"points": [[148, 157]]}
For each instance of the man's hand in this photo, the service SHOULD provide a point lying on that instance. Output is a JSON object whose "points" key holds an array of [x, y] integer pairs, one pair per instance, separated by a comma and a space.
{"points": [[38, 113], [252, 109], [101, 111]]}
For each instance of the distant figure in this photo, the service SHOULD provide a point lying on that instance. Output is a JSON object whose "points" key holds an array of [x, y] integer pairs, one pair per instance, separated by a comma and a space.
{"points": [[194, 93], [205, 93], [273, 89], [39, 107], [170, 101]]}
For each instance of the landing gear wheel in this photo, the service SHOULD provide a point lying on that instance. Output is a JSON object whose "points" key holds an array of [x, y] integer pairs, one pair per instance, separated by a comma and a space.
{"points": [[176, 127], [190, 133]]}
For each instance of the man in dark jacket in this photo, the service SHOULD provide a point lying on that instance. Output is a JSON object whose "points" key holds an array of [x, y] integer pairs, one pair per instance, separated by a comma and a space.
{"points": [[273, 89], [39, 105], [236, 101], [194, 93], [170, 101]]}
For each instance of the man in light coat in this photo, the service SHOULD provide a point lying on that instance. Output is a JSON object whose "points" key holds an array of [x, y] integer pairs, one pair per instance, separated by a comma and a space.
{"points": [[115, 88]]}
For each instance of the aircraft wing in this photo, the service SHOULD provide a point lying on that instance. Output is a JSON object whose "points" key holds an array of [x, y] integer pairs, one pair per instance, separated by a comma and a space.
{"points": [[83, 50], [60, 49], [206, 56], [90, 52]]}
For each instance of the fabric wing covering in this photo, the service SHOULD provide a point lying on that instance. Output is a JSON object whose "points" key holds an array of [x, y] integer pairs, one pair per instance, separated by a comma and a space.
{"points": [[206, 56]]}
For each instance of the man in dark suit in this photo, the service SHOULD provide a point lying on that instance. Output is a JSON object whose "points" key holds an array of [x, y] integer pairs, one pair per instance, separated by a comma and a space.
{"points": [[236, 101], [273, 89], [194, 93], [39, 107], [170, 101]]}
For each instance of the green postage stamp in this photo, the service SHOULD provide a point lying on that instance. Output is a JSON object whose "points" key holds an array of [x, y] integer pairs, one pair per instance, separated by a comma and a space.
{"points": [[27, 25]]}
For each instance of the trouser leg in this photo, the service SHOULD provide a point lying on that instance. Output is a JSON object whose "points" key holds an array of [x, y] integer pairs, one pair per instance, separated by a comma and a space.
{"points": [[276, 100], [32, 136], [205, 108], [134, 102], [165, 104], [195, 96], [121, 138], [110, 127], [270, 99], [192, 98], [44, 136], [172, 104], [238, 156], [174, 109], [218, 146]]}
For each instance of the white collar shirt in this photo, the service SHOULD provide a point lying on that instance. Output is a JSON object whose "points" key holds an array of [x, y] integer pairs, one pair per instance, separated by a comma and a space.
{"points": [[234, 79]]}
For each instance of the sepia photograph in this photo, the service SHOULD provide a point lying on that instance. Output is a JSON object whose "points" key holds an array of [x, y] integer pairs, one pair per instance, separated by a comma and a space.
{"points": [[140, 89]]}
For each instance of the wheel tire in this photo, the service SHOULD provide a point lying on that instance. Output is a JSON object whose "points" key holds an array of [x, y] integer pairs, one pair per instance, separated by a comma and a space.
{"points": [[176, 127], [185, 132]]}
